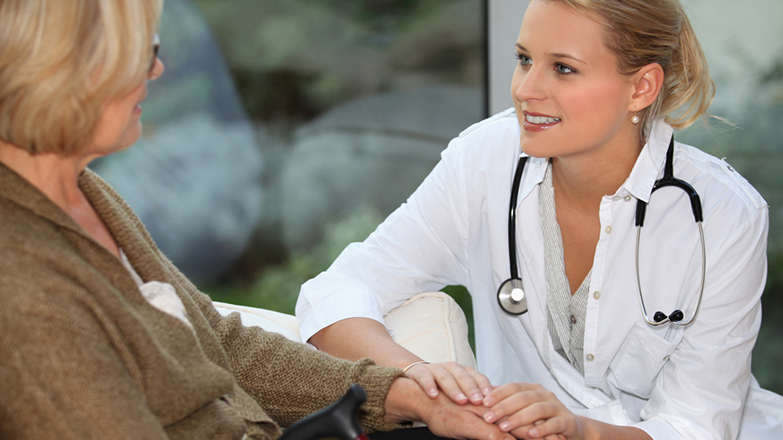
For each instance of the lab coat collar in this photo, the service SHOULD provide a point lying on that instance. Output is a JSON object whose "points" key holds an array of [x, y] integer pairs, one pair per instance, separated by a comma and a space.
{"points": [[649, 165], [535, 168]]}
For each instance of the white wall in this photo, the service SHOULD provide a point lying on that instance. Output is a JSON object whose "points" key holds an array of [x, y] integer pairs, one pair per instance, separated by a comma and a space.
{"points": [[505, 18]]}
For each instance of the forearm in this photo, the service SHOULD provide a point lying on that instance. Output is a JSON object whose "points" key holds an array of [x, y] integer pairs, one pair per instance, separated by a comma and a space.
{"points": [[595, 430], [356, 338]]}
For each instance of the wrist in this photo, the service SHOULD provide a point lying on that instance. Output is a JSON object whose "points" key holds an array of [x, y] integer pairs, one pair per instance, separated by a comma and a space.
{"points": [[405, 370], [587, 428], [404, 361], [405, 402]]}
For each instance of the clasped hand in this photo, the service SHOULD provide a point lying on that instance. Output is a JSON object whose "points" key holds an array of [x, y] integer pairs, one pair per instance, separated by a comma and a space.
{"points": [[525, 410]]}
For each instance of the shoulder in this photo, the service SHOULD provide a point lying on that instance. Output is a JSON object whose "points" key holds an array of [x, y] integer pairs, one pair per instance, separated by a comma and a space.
{"points": [[735, 215], [40, 281], [716, 179], [485, 143], [28, 234], [502, 126]]}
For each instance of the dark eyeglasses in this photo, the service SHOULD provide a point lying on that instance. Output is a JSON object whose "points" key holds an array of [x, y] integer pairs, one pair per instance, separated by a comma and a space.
{"points": [[155, 49]]}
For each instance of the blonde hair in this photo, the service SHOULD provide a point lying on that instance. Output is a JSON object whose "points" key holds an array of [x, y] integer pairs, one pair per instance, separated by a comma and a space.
{"points": [[641, 32], [63, 60]]}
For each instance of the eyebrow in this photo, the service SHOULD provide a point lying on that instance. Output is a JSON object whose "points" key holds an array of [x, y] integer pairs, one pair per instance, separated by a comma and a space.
{"points": [[555, 55]]}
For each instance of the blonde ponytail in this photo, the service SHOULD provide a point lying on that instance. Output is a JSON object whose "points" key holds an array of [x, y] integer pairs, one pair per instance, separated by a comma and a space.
{"points": [[688, 88]]}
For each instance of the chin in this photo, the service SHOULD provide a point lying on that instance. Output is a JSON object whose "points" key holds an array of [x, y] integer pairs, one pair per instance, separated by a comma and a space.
{"points": [[129, 138], [535, 148]]}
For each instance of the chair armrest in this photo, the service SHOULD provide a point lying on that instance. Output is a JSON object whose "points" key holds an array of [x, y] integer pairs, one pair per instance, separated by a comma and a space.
{"points": [[432, 326]]}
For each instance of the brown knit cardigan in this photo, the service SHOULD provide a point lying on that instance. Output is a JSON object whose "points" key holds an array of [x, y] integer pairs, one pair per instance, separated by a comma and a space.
{"points": [[83, 355]]}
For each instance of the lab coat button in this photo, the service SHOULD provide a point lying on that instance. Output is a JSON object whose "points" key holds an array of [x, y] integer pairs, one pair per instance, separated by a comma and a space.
{"points": [[627, 198], [590, 357], [608, 229], [666, 358], [597, 295]]}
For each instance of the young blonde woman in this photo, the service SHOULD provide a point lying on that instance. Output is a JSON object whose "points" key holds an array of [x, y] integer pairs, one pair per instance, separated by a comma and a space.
{"points": [[101, 337], [599, 89]]}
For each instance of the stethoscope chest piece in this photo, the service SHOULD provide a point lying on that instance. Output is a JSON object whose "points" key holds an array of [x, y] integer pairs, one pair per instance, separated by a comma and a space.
{"points": [[512, 297]]}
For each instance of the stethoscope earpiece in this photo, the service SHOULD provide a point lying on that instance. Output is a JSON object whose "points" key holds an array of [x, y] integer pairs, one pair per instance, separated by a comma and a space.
{"points": [[511, 297]]}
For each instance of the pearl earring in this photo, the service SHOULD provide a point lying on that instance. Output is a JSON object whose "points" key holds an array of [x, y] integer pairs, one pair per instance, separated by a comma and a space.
{"points": [[635, 119]]}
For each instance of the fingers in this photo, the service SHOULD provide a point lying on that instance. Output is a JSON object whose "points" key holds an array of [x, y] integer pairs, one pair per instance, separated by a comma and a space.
{"points": [[476, 428], [422, 375], [461, 384], [529, 411], [510, 398], [482, 382], [563, 426], [449, 419]]}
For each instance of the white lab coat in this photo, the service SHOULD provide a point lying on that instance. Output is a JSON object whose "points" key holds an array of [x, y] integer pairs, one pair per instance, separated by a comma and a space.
{"points": [[673, 382]]}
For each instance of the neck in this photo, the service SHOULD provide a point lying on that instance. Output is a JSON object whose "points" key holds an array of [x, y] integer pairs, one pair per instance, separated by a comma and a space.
{"points": [[584, 179], [54, 175]]}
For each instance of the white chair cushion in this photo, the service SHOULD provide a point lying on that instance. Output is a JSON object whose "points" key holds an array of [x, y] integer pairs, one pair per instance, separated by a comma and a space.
{"points": [[431, 325], [269, 320]]}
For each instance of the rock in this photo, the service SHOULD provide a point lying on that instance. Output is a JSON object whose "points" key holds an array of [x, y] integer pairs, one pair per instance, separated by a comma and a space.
{"points": [[446, 46], [372, 152]]}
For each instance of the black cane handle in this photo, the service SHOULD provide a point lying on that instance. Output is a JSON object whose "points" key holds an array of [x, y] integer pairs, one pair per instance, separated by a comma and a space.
{"points": [[336, 420]]}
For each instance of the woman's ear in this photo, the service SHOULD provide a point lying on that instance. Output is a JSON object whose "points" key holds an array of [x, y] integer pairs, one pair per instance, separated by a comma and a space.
{"points": [[647, 82]]}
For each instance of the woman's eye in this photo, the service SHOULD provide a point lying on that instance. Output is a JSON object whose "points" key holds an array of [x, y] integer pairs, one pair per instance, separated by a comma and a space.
{"points": [[524, 60], [563, 69]]}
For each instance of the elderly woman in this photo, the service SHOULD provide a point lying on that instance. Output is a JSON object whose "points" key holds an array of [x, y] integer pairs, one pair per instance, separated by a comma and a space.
{"points": [[100, 335]]}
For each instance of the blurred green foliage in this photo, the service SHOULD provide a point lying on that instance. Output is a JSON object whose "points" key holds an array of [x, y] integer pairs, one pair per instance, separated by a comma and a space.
{"points": [[277, 287], [294, 59], [378, 14]]}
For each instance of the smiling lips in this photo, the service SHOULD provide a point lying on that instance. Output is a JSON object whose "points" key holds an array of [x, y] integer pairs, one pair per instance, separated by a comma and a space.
{"points": [[533, 122]]}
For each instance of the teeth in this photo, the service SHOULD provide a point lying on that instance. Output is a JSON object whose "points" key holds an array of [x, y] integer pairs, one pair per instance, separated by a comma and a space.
{"points": [[540, 119]]}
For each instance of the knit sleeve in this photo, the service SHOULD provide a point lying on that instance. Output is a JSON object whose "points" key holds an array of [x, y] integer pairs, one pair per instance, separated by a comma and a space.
{"points": [[291, 380]]}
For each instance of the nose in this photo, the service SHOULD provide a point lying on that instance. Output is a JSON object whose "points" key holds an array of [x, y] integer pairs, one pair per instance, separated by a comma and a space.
{"points": [[528, 84], [157, 70]]}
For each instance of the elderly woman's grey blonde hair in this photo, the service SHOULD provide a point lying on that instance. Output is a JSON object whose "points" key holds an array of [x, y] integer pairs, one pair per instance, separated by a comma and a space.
{"points": [[63, 60]]}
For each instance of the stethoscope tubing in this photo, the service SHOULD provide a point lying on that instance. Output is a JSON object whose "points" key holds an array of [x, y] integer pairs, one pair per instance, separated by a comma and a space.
{"points": [[512, 217], [510, 305], [647, 319]]}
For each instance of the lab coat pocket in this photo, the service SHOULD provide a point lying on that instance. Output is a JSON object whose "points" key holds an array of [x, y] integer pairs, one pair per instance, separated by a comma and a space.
{"points": [[639, 360]]}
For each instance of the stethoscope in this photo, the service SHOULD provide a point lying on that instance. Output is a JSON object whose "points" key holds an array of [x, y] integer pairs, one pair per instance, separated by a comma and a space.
{"points": [[511, 295]]}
